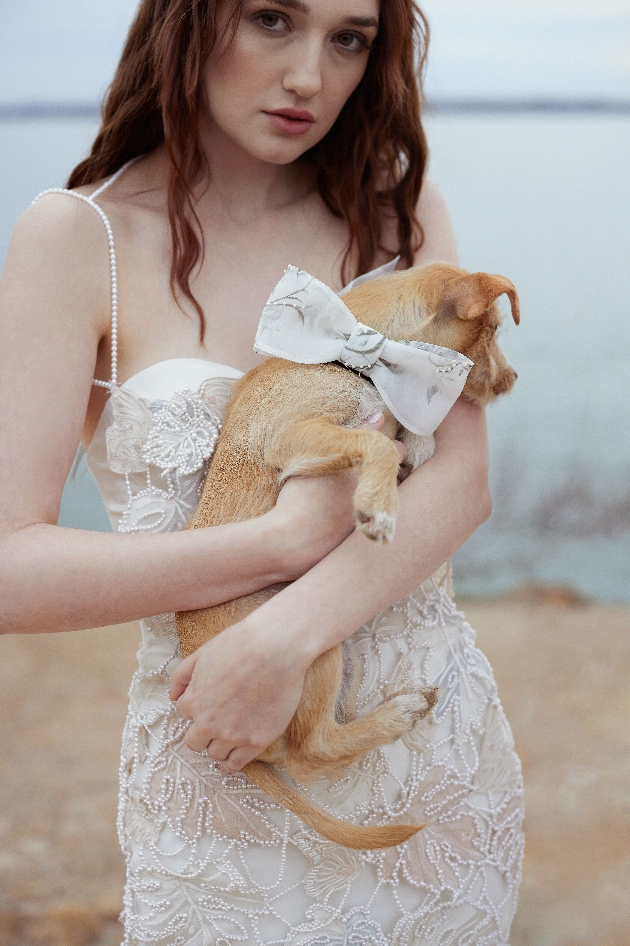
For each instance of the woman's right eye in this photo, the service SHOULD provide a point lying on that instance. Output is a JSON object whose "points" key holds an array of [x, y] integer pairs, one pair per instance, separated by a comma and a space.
{"points": [[271, 21]]}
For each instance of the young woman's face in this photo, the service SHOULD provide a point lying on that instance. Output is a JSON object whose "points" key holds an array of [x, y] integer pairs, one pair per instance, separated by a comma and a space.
{"points": [[279, 87]]}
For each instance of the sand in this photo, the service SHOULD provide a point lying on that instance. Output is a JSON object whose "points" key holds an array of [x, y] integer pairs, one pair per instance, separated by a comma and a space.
{"points": [[563, 670]]}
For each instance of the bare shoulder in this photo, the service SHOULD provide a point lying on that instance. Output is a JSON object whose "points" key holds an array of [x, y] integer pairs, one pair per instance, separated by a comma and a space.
{"points": [[59, 246], [432, 213], [58, 231], [431, 203], [60, 214], [439, 238]]}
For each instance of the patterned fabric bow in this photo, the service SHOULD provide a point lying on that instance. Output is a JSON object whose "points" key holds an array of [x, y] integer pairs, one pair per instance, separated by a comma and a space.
{"points": [[306, 322]]}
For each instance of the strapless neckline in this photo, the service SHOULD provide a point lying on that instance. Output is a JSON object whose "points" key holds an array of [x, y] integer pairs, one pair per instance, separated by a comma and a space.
{"points": [[162, 379]]}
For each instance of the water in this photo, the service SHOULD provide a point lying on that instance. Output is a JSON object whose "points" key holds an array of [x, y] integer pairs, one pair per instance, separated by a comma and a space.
{"points": [[544, 200]]}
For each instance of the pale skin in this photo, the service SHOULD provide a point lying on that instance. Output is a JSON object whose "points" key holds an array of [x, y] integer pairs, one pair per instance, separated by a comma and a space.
{"points": [[259, 212]]}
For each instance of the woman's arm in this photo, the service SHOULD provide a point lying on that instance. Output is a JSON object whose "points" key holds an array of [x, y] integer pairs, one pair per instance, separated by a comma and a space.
{"points": [[54, 313], [242, 688]]}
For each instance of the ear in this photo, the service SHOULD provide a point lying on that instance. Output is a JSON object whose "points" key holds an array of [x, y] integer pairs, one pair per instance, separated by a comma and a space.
{"points": [[473, 294]]}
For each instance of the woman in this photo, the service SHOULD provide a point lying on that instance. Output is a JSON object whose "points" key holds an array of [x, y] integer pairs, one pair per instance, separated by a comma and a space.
{"points": [[264, 134]]}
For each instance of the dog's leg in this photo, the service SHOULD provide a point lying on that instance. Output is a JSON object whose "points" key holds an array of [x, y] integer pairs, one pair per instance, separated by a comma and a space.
{"points": [[317, 447], [331, 749], [317, 744]]}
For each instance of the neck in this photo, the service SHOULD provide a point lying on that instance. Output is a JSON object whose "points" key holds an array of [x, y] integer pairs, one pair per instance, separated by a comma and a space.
{"points": [[244, 188]]}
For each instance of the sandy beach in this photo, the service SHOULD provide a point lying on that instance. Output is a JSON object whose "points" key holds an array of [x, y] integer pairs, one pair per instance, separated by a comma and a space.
{"points": [[563, 671]]}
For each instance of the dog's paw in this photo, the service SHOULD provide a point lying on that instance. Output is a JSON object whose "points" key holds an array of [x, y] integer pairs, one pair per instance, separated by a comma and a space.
{"points": [[378, 526], [416, 706]]}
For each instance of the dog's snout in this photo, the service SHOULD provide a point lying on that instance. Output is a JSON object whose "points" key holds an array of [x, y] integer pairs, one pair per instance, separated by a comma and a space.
{"points": [[515, 376]]}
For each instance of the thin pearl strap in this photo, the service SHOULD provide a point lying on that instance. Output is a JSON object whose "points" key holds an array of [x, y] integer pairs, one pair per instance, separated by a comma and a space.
{"points": [[90, 201]]}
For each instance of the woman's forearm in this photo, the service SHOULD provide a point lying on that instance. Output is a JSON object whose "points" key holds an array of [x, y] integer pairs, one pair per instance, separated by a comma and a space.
{"points": [[440, 506], [55, 579]]}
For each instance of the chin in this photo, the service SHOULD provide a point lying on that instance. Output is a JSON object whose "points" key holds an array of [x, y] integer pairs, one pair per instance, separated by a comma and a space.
{"points": [[281, 151]]}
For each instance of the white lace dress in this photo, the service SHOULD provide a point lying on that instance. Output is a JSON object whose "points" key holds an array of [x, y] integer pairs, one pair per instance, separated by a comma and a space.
{"points": [[213, 860]]}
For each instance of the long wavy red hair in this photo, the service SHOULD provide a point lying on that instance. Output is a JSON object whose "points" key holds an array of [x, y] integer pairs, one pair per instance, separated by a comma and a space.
{"points": [[370, 164]]}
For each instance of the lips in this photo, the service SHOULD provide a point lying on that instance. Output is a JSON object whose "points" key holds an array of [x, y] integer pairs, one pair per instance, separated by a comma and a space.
{"points": [[291, 121]]}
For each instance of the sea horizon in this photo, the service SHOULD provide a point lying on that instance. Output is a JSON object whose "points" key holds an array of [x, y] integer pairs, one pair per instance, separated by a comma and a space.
{"points": [[484, 105]]}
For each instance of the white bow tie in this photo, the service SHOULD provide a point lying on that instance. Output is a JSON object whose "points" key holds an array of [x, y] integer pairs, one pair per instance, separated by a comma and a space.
{"points": [[306, 322]]}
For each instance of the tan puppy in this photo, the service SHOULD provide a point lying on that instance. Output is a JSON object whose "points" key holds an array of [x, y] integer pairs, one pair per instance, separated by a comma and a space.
{"points": [[285, 419]]}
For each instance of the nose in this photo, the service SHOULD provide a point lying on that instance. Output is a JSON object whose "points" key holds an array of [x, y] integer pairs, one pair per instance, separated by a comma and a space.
{"points": [[303, 74]]}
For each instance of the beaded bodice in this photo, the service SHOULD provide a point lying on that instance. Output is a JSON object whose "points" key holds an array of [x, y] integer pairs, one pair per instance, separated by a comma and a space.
{"points": [[154, 440]]}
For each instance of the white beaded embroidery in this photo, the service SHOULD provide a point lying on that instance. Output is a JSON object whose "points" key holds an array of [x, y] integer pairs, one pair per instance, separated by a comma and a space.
{"points": [[217, 856], [183, 434], [169, 441]]}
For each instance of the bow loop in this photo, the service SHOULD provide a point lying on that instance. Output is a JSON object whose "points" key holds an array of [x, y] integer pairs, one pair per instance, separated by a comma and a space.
{"points": [[306, 322]]}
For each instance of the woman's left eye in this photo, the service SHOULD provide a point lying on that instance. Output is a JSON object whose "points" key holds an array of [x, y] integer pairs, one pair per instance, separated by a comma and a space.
{"points": [[353, 42]]}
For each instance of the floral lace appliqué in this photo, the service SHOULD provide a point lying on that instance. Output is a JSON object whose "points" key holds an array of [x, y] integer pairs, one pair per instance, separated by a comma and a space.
{"points": [[163, 449]]}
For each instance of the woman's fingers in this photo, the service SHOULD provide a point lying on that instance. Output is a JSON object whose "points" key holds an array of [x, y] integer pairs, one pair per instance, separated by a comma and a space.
{"points": [[237, 760], [402, 450], [374, 421], [197, 738], [219, 750], [241, 696], [181, 678]]}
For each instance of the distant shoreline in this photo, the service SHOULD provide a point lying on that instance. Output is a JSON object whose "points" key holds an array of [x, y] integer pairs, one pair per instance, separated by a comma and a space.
{"points": [[473, 106]]}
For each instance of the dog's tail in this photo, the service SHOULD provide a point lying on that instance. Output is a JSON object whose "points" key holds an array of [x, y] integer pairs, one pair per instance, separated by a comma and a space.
{"points": [[359, 837]]}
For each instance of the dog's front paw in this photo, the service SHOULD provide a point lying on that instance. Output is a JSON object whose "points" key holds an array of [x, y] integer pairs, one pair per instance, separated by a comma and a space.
{"points": [[378, 526]]}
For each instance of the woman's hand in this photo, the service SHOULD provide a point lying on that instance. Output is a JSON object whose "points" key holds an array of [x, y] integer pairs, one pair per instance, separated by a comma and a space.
{"points": [[315, 514], [241, 690]]}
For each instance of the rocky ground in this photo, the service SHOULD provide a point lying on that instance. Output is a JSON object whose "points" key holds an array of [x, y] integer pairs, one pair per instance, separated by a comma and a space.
{"points": [[563, 669]]}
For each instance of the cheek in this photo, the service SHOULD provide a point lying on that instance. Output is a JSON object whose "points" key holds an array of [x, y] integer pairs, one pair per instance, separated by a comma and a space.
{"points": [[236, 76]]}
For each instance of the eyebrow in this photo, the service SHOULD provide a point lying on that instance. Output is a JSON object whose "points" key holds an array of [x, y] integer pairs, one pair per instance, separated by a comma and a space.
{"points": [[362, 21], [294, 5], [302, 7]]}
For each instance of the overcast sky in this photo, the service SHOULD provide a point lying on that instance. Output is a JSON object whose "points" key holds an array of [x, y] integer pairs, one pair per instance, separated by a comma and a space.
{"points": [[66, 50]]}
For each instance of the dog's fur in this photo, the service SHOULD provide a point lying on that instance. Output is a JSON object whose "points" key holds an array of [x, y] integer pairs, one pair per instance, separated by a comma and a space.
{"points": [[285, 419]]}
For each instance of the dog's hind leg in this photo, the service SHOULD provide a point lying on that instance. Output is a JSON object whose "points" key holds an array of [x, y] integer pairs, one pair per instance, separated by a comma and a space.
{"points": [[333, 746], [317, 447], [317, 744]]}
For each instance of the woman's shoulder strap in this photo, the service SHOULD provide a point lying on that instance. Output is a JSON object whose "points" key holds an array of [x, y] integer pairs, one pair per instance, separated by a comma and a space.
{"points": [[91, 202]]}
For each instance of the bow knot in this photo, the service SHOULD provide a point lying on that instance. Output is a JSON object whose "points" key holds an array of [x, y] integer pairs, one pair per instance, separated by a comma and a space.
{"points": [[306, 322], [363, 348]]}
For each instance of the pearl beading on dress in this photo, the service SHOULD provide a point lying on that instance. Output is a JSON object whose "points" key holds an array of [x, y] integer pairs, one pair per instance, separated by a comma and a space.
{"points": [[194, 839], [91, 202]]}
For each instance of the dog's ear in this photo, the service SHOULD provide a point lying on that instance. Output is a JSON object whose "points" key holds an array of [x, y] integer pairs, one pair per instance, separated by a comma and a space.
{"points": [[471, 295]]}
